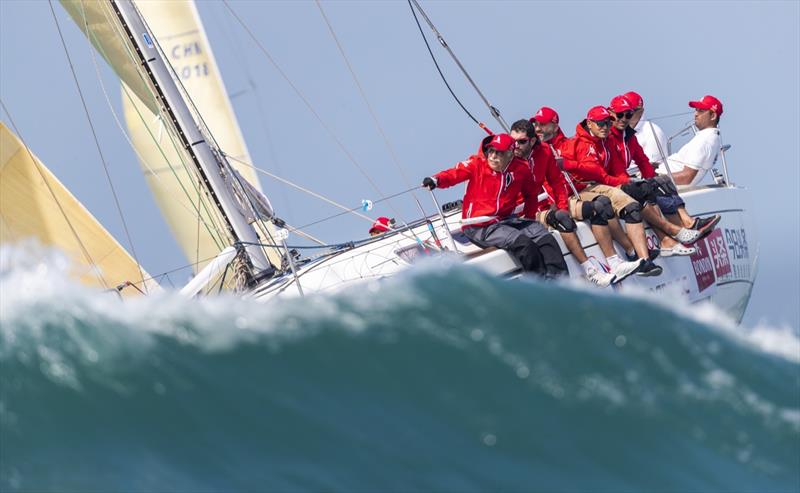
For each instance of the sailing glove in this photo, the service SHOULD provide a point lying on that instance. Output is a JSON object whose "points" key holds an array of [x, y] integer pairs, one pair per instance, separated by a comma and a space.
{"points": [[429, 183]]}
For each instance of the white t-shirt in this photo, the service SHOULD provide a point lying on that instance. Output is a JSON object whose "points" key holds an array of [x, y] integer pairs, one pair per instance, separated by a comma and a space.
{"points": [[700, 153], [646, 133]]}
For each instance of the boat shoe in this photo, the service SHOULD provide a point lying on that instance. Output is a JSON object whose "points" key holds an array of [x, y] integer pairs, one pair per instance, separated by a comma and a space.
{"points": [[678, 249]]}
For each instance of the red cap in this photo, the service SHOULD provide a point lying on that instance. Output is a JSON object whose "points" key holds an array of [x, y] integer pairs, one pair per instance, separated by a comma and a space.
{"points": [[634, 98], [500, 142], [598, 113], [620, 104], [381, 225], [708, 103], [545, 115]]}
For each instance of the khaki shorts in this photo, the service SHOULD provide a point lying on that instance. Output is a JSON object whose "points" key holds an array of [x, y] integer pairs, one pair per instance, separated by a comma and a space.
{"points": [[541, 218], [619, 199]]}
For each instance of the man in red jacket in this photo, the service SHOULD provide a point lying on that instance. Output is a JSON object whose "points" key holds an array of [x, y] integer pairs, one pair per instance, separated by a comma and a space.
{"points": [[598, 211], [495, 179], [653, 189], [554, 209], [589, 158]]}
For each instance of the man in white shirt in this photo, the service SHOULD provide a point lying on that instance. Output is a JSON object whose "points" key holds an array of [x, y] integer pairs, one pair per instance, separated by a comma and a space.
{"points": [[690, 164], [648, 133]]}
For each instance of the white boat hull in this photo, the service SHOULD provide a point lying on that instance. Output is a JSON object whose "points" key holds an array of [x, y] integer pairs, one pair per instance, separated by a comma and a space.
{"points": [[723, 269]]}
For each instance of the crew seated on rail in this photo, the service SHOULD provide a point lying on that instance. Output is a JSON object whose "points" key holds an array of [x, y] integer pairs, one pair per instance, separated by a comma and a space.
{"points": [[546, 121], [495, 179], [656, 188], [554, 210]]}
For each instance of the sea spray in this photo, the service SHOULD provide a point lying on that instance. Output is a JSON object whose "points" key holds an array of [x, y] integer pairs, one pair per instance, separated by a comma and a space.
{"points": [[442, 378]]}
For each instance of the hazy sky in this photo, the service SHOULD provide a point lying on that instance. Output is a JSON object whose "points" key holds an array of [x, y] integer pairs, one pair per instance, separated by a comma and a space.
{"points": [[568, 55]]}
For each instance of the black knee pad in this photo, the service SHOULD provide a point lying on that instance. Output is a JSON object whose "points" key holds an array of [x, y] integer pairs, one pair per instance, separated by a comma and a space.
{"points": [[631, 213], [664, 185], [641, 191], [560, 220], [603, 211]]}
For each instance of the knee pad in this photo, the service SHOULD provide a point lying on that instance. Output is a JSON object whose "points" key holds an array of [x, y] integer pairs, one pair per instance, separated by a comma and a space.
{"points": [[640, 191], [603, 211], [631, 213], [560, 220], [664, 185]]}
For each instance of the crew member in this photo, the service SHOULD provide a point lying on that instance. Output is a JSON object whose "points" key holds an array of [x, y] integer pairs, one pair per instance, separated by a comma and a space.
{"points": [[554, 211], [381, 225], [546, 121], [495, 179], [690, 164]]}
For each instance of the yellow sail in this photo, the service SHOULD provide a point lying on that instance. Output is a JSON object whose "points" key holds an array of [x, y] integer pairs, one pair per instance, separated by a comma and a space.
{"points": [[98, 22], [34, 204], [179, 31]]}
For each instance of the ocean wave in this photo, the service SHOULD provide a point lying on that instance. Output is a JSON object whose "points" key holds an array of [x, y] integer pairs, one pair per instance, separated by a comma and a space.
{"points": [[440, 378]]}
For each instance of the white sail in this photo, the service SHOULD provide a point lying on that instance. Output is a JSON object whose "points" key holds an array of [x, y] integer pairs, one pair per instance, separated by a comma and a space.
{"points": [[180, 33], [35, 204]]}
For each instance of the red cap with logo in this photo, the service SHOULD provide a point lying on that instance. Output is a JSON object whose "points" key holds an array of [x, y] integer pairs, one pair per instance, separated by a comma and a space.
{"points": [[708, 103], [634, 98], [598, 113], [381, 225], [500, 142], [620, 104], [545, 115]]}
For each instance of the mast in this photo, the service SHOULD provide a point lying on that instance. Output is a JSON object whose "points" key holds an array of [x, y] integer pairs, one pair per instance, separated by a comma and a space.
{"points": [[211, 166]]}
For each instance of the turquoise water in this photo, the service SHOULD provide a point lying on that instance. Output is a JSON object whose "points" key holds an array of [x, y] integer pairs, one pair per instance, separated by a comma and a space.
{"points": [[439, 380]]}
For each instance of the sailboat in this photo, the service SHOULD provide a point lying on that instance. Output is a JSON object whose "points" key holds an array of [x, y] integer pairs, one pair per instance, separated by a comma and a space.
{"points": [[250, 240]]}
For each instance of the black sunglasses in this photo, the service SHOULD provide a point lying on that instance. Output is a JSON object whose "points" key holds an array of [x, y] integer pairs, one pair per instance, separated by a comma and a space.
{"points": [[602, 123], [522, 142], [625, 114]]}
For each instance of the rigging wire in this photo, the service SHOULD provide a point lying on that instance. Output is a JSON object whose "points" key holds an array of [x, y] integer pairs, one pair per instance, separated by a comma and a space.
{"points": [[309, 106], [494, 111], [372, 113], [300, 188], [72, 229], [350, 211], [240, 58], [195, 210], [225, 167], [97, 144]]}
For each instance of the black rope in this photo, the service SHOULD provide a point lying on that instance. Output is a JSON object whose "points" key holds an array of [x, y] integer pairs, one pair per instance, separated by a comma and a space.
{"points": [[444, 79]]}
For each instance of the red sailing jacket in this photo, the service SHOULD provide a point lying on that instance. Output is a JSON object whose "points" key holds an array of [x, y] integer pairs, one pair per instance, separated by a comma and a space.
{"points": [[558, 141], [546, 174], [491, 193], [590, 159], [629, 149]]}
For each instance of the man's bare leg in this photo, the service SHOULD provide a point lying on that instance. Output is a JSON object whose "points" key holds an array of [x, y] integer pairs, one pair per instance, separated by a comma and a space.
{"points": [[603, 236], [574, 246], [652, 214], [615, 228], [638, 238]]}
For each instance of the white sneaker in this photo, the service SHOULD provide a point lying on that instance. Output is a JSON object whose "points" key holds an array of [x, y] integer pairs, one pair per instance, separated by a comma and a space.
{"points": [[687, 236], [625, 269], [601, 279]]}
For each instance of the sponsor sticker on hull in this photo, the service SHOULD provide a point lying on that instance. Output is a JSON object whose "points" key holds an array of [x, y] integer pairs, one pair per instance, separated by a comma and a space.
{"points": [[703, 265], [719, 253]]}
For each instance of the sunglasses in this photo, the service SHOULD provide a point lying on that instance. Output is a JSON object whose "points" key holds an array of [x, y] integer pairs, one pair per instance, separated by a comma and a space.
{"points": [[523, 142], [625, 114], [602, 123]]}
